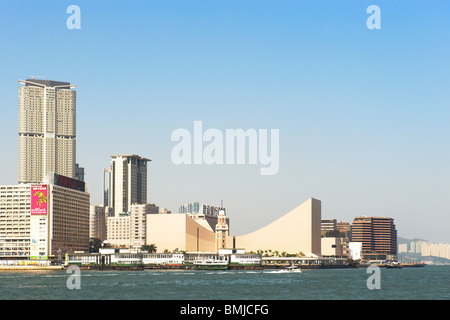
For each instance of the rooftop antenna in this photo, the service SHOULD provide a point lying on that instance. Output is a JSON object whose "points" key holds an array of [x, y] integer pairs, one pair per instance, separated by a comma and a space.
{"points": [[38, 77]]}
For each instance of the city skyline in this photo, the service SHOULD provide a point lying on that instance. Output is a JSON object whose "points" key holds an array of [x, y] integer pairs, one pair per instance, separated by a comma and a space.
{"points": [[362, 113]]}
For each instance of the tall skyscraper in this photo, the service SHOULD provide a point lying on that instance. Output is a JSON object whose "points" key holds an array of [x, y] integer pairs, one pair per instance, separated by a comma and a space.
{"points": [[47, 213], [79, 172], [129, 182], [378, 236], [47, 129], [108, 187]]}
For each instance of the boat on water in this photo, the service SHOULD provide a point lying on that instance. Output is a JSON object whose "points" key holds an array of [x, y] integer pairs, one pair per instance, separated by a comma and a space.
{"points": [[210, 264], [291, 269], [394, 265]]}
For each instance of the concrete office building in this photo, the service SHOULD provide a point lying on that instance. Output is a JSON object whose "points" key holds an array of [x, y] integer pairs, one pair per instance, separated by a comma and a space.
{"points": [[328, 225], [47, 129], [138, 223], [333, 242], [118, 230], [97, 226], [15, 223], [129, 229], [345, 228], [378, 236], [41, 221], [79, 172], [125, 183]]}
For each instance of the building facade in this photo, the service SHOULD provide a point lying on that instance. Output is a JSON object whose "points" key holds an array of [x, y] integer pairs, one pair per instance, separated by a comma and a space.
{"points": [[177, 231], [328, 225], [378, 237], [334, 243], [138, 223], [203, 213], [127, 182], [298, 230], [118, 230], [355, 250], [129, 229], [79, 172], [47, 129], [97, 222], [108, 187], [41, 221], [196, 207]]}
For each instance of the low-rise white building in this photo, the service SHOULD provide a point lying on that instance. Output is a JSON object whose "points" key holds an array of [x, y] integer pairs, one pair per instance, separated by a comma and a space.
{"points": [[355, 250]]}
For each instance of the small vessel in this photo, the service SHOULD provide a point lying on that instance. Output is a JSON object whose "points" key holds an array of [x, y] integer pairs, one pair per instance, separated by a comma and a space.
{"points": [[394, 265], [210, 264], [291, 269]]}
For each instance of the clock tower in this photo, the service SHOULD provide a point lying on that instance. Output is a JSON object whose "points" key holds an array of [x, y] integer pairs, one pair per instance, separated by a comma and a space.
{"points": [[221, 230]]}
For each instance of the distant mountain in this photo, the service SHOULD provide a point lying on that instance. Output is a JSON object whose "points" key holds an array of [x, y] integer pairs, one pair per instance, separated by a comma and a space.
{"points": [[401, 240], [408, 257]]}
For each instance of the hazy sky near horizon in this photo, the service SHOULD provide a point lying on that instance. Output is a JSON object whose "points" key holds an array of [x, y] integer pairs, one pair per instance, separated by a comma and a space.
{"points": [[363, 115]]}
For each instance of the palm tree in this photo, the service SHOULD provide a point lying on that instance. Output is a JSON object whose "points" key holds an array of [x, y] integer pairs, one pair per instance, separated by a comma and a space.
{"points": [[149, 247]]}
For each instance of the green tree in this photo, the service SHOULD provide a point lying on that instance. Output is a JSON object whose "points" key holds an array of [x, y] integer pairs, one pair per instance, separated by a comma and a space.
{"points": [[149, 247]]}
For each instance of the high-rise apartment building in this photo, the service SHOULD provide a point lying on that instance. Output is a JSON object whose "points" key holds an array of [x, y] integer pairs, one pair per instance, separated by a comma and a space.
{"points": [[378, 236], [47, 129], [125, 183], [47, 213]]}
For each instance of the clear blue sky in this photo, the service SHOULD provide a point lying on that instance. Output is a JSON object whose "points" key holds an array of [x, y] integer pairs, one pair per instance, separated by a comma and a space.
{"points": [[363, 114]]}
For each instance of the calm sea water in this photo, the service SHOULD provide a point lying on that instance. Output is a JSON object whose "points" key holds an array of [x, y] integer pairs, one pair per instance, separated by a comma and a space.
{"points": [[429, 283]]}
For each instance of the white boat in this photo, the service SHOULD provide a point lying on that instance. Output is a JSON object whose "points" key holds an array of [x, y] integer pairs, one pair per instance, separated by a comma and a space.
{"points": [[291, 269]]}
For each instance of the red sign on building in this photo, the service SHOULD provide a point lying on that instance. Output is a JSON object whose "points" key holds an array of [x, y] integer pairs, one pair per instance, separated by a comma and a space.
{"points": [[39, 200]]}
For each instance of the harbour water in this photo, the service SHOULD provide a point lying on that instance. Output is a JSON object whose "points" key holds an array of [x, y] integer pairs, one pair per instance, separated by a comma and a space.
{"points": [[429, 283]]}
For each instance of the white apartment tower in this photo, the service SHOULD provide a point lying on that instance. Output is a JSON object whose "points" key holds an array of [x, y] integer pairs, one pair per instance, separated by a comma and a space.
{"points": [[47, 129], [128, 178]]}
